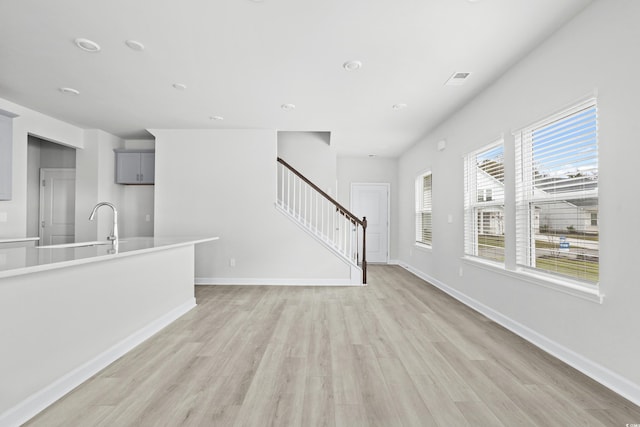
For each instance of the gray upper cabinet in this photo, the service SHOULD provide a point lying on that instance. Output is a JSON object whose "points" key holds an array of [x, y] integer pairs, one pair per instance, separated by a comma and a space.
{"points": [[135, 166], [6, 150]]}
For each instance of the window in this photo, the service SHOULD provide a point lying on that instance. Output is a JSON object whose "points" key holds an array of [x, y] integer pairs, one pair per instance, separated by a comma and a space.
{"points": [[557, 194], [484, 202], [423, 209]]}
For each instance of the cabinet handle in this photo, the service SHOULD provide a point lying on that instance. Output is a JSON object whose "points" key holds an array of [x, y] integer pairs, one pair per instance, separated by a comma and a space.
{"points": [[137, 177], [141, 175]]}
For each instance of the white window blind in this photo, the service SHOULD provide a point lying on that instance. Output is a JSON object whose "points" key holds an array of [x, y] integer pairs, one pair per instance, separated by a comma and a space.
{"points": [[557, 194], [423, 209], [484, 202]]}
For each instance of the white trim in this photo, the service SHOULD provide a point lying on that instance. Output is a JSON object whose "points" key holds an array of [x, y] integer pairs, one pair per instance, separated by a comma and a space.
{"points": [[582, 100], [423, 247], [617, 383], [419, 207], [215, 281], [564, 285], [37, 402]]}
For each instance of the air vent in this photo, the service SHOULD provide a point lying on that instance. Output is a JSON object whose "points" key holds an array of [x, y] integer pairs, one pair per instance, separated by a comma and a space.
{"points": [[457, 79]]}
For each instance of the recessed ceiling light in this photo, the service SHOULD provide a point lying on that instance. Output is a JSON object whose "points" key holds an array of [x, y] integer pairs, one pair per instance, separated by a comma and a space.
{"points": [[69, 91], [217, 118], [87, 45], [372, 155], [352, 65], [399, 106], [134, 45], [180, 86], [288, 107]]}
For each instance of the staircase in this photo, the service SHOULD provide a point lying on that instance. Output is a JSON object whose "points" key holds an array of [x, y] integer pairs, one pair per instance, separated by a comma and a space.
{"points": [[322, 217]]}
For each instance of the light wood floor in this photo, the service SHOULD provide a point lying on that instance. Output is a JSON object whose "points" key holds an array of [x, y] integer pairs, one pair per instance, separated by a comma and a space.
{"points": [[396, 353]]}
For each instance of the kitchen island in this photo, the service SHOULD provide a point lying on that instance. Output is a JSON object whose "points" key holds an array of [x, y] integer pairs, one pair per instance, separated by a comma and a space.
{"points": [[68, 312]]}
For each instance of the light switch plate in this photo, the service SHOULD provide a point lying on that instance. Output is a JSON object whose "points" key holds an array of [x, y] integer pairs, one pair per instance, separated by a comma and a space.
{"points": [[3, 217]]}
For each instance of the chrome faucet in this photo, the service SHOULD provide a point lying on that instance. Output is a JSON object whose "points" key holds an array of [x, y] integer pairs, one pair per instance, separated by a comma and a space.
{"points": [[114, 234]]}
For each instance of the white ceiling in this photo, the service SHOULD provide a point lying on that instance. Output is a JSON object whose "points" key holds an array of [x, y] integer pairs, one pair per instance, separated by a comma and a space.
{"points": [[243, 59]]}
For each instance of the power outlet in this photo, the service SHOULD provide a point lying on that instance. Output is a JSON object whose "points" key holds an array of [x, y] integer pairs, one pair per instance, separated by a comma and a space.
{"points": [[3, 217], [232, 262], [460, 272], [147, 217]]}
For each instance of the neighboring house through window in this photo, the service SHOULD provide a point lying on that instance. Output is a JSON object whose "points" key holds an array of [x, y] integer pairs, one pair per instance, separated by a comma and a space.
{"points": [[423, 209], [484, 202], [557, 194]]}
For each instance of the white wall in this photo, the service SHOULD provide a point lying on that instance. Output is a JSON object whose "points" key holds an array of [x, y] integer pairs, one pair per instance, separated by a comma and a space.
{"points": [[95, 166], [95, 183], [29, 122], [595, 51], [371, 170], [33, 188], [226, 186], [310, 153], [6, 149], [137, 206]]}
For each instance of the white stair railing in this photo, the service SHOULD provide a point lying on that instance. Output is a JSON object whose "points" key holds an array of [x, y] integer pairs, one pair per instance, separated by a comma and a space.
{"points": [[321, 215]]}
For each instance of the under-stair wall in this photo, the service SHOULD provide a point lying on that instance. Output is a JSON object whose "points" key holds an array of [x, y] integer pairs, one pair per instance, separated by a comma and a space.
{"points": [[323, 218]]}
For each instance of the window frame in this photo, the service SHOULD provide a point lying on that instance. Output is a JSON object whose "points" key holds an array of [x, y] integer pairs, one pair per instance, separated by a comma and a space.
{"points": [[528, 198], [481, 201], [420, 209]]}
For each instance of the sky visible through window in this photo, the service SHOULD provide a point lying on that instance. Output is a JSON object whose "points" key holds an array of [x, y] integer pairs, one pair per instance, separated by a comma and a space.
{"points": [[493, 154], [567, 148]]}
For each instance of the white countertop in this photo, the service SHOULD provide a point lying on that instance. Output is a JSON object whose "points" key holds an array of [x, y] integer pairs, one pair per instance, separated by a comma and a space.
{"points": [[23, 260], [19, 239]]}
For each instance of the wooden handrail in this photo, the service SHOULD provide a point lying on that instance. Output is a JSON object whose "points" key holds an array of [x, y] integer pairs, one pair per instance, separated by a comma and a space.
{"points": [[364, 250], [338, 206], [342, 211]]}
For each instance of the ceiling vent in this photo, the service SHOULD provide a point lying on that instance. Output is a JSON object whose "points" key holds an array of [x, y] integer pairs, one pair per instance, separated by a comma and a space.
{"points": [[457, 79]]}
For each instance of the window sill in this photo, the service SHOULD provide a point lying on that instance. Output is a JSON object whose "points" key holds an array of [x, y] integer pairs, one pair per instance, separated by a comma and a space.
{"points": [[566, 286], [422, 246]]}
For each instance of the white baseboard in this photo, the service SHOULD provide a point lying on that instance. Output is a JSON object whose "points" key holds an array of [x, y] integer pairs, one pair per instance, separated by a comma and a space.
{"points": [[273, 282], [37, 402], [599, 373]]}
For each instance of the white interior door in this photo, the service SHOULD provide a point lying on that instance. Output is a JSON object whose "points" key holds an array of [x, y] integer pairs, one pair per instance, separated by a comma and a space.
{"points": [[372, 201], [57, 206]]}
